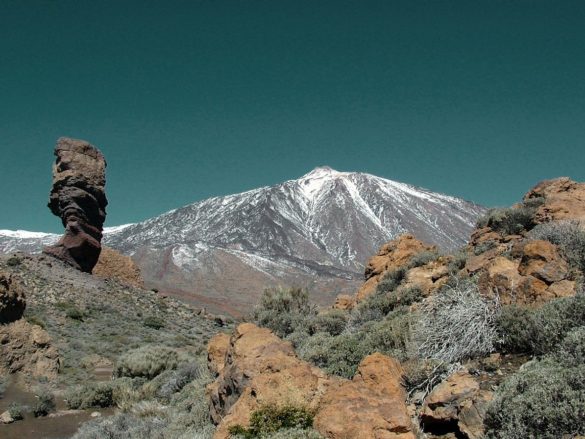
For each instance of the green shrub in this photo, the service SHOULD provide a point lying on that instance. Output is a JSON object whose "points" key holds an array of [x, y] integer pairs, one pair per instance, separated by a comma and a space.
{"points": [[123, 426], [71, 310], [284, 310], [154, 322], [16, 411], [516, 328], [271, 419], [545, 399], [91, 395], [35, 320], [332, 322], [455, 324], [14, 261], [3, 385], [391, 280], [422, 258], [457, 263], [45, 403], [509, 220], [569, 236], [146, 361]]}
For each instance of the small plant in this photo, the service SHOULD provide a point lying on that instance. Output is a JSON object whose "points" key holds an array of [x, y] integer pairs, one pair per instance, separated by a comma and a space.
{"points": [[510, 220], [14, 261], [154, 322], [332, 322], [391, 280], [35, 320], [71, 310], [271, 419], [45, 403], [422, 258]]}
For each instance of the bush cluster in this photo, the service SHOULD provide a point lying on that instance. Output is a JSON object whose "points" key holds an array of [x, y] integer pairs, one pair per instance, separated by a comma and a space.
{"points": [[284, 310], [510, 220], [91, 395], [539, 331], [545, 399], [45, 403]]}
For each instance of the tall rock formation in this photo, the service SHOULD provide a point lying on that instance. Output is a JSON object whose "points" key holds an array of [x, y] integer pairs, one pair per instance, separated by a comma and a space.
{"points": [[79, 199]]}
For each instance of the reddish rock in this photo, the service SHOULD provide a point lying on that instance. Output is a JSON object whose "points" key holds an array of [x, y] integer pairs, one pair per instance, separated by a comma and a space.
{"points": [[371, 406], [344, 302], [542, 260], [114, 265], [458, 406], [391, 256], [563, 199], [12, 298], [429, 277], [216, 351], [78, 198]]}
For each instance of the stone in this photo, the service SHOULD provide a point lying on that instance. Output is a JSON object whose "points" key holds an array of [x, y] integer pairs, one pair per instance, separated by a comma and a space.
{"points": [[344, 302], [391, 256], [370, 406], [542, 260], [27, 349], [78, 198], [564, 199], [12, 298], [114, 265], [429, 277], [6, 418], [217, 348], [457, 405]]}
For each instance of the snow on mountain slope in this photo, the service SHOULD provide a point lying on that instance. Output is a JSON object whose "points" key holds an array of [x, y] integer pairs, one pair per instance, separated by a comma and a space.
{"points": [[318, 231]]}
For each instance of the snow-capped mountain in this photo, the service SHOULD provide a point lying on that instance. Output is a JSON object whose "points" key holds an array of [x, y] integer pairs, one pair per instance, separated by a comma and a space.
{"points": [[317, 231]]}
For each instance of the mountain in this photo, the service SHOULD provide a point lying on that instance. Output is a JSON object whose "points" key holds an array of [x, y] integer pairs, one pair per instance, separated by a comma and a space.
{"points": [[316, 231]]}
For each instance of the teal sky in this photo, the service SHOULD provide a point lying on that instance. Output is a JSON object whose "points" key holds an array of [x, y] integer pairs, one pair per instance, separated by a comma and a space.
{"points": [[193, 99]]}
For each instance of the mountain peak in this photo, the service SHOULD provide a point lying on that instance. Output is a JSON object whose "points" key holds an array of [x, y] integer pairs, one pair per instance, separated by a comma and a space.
{"points": [[320, 172]]}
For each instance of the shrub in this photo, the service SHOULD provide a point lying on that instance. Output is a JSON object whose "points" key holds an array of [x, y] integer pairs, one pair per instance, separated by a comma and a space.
{"points": [[71, 310], [180, 378], [379, 304], [45, 403], [332, 322], [545, 399], [16, 411], [456, 324], [91, 395], [423, 375], [391, 280], [13, 261], [3, 385], [123, 426], [284, 310], [568, 236], [422, 258], [146, 361], [457, 263], [154, 322], [509, 220], [516, 328], [271, 419]]}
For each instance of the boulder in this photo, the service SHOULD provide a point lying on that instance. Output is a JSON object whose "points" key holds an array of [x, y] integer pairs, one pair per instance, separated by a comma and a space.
{"points": [[114, 265], [217, 349], [12, 298], [542, 260], [429, 277], [78, 198], [391, 256], [371, 406], [564, 199], [6, 418], [457, 405], [344, 302], [27, 349]]}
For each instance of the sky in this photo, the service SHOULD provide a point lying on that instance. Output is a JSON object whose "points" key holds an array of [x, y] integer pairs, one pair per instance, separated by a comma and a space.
{"points": [[200, 98]]}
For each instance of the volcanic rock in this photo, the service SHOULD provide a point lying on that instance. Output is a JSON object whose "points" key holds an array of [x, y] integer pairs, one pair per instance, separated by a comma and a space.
{"points": [[12, 298], [457, 405], [114, 265], [78, 198], [564, 199], [262, 370], [391, 256]]}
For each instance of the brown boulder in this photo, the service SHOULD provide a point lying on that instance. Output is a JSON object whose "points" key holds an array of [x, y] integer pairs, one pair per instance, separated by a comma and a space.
{"points": [[114, 265], [78, 198], [12, 298], [261, 369], [542, 260], [371, 406], [457, 405], [27, 349], [429, 277], [563, 199], [216, 351], [391, 256], [344, 302]]}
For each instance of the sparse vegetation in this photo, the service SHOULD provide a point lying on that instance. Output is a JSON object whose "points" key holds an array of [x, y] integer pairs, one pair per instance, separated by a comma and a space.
{"points": [[154, 322], [16, 411], [91, 395], [511, 220]]}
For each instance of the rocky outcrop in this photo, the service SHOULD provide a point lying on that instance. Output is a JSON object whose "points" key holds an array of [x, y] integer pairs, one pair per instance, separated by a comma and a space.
{"points": [[370, 406], [217, 348], [114, 265], [564, 199], [78, 198], [27, 349], [391, 256], [260, 369], [457, 406], [12, 298]]}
